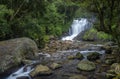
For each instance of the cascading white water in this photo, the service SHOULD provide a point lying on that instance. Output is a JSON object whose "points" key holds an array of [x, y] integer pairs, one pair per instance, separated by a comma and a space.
{"points": [[77, 27], [24, 71]]}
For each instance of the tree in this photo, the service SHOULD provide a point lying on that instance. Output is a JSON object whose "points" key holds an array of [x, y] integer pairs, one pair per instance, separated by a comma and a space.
{"points": [[108, 14]]}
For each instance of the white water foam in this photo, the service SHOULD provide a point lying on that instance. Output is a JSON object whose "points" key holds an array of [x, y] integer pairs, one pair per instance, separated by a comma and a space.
{"points": [[23, 71], [77, 27]]}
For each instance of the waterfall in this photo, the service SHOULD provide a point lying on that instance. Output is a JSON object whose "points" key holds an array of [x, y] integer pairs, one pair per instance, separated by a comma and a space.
{"points": [[77, 27]]}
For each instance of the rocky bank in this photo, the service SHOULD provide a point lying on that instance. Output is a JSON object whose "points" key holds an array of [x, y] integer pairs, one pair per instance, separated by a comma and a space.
{"points": [[74, 60]]}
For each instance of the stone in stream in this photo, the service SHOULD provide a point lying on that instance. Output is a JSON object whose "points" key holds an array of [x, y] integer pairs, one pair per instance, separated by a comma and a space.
{"points": [[114, 72], [13, 51], [86, 65], [77, 56], [110, 59], [23, 77], [108, 48], [70, 57], [40, 70], [77, 77], [93, 56], [55, 66]]}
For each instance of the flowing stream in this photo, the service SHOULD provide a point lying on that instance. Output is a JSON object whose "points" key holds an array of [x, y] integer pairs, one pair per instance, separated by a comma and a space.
{"points": [[77, 27], [22, 72]]}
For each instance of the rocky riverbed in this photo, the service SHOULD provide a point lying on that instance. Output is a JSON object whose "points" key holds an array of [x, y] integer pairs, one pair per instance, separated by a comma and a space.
{"points": [[71, 60]]}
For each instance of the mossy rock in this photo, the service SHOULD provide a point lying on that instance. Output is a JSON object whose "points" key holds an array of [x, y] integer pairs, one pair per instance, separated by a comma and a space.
{"points": [[40, 70], [13, 51], [114, 73], [110, 61], [55, 66], [79, 56], [71, 57], [117, 77], [93, 56], [86, 65]]}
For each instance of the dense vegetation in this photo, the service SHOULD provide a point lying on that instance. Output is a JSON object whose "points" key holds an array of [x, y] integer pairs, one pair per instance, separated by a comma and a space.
{"points": [[38, 19], [108, 14], [41, 19]]}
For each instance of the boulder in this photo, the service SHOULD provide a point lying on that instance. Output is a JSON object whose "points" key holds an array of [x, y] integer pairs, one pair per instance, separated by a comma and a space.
{"points": [[55, 66], [77, 77], [40, 70], [86, 65], [93, 56], [13, 51], [108, 48], [79, 56], [114, 72]]}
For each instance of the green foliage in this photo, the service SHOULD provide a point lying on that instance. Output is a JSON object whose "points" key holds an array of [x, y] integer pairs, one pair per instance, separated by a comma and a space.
{"points": [[58, 31], [4, 24], [93, 34], [108, 14], [82, 13], [36, 19]]}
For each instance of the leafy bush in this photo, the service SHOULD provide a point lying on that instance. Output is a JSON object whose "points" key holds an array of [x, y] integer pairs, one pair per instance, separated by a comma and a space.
{"points": [[5, 28], [93, 34]]}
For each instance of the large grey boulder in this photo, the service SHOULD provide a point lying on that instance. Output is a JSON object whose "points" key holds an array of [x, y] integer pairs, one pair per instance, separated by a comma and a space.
{"points": [[13, 51]]}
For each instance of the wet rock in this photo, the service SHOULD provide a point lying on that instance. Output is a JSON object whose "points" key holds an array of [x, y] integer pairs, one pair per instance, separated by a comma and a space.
{"points": [[79, 56], [116, 68], [27, 61], [13, 51], [114, 71], [37, 78], [110, 59], [40, 70], [100, 75], [77, 77], [70, 57], [93, 56], [55, 66], [110, 76], [23, 77], [108, 48], [86, 65]]}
